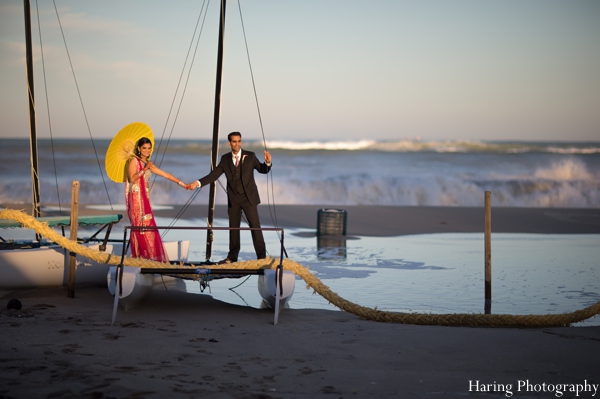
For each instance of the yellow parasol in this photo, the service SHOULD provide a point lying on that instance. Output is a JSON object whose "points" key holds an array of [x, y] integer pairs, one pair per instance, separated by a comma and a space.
{"points": [[122, 147]]}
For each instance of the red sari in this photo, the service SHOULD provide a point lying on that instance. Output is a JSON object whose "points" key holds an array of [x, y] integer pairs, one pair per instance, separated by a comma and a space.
{"points": [[145, 244]]}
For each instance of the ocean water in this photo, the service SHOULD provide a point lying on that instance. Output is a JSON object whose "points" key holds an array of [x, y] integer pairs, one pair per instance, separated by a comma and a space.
{"points": [[432, 273], [405, 172]]}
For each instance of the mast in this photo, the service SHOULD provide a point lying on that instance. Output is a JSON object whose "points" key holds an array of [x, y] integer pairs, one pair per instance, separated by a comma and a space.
{"points": [[215, 141], [35, 180]]}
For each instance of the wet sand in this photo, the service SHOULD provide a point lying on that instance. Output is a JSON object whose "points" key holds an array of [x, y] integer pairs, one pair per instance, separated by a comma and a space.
{"points": [[398, 220]]}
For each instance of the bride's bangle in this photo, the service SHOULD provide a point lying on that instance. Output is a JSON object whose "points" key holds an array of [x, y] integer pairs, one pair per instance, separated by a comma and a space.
{"points": [[141, 173], [181, 183]]}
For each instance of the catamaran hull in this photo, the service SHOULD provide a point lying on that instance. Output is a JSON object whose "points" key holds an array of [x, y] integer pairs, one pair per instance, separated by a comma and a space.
{"points": [[48, 266], [267, 287], [134, 285]]}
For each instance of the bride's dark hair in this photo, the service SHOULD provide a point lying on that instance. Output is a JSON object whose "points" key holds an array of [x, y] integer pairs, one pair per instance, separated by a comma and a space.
{"points": [[141, 142]]}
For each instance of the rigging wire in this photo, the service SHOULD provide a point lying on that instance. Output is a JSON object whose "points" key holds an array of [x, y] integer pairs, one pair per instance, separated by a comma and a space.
{"points": [[48, 104], [185, 206], [82, 106], [270, 193], [181, 212], [190, 200], [179, 82], [193, 196]]}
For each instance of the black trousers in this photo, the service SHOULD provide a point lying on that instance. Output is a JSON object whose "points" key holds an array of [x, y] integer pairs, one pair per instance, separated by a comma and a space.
{"points": [[234, 211]]}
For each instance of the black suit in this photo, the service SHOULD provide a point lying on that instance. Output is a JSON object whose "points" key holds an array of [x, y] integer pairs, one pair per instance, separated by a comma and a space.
{"points": [[242, 194]]}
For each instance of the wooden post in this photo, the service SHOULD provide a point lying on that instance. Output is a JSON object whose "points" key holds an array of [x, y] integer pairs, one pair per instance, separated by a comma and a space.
{"points": [[74, 225], [488, 252]]}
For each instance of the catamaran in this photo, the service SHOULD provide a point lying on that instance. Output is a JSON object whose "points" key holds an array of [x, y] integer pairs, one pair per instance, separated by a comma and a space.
{"points": [[39, 263], [30, 263]]}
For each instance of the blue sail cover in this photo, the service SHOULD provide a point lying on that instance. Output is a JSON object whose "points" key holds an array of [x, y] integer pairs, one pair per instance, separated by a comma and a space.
{"points": [[57, 221]]}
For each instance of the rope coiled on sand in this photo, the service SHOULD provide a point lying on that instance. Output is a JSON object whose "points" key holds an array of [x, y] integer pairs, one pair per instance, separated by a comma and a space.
{"points": [[366, 313]]}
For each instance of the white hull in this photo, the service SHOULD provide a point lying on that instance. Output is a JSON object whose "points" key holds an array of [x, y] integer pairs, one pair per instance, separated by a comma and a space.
{"points": [[137, 286], [48, 266], [134, 285], [268, 289]]}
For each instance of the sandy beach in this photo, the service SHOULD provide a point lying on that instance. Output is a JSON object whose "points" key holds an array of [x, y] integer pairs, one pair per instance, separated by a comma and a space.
{"points": [[184, 345]]}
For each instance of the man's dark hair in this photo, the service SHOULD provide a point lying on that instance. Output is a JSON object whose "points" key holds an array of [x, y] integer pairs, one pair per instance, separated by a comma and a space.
{"points": [[230, 135]]}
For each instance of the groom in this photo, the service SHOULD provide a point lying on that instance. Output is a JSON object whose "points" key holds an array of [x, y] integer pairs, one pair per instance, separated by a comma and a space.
{"points": [[242, 193]]}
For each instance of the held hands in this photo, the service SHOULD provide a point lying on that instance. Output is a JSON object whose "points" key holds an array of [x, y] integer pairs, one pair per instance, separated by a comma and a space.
{"points": [[190, 186]]}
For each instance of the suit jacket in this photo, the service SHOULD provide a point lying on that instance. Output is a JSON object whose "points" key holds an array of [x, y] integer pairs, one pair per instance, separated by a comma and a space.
{"points": [[248, 163]]}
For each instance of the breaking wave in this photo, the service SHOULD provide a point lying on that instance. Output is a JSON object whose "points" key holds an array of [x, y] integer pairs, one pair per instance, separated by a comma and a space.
{"points": [[362, 172]]}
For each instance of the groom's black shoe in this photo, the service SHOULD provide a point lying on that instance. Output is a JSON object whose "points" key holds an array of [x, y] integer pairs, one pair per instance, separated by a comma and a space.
{"points": [[225, 261]]}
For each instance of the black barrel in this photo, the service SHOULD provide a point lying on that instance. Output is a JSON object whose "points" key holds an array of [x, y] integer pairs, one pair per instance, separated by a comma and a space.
{"points": [[331, 222]]}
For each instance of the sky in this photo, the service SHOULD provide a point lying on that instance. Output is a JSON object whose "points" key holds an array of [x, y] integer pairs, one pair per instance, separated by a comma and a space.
{"points": [[329, 70]]}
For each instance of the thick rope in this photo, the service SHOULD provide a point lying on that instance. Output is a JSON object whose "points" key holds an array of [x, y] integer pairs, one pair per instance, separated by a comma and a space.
{"points": [[366, 313]]}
